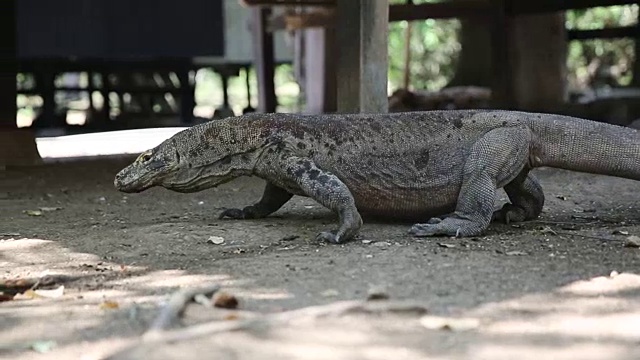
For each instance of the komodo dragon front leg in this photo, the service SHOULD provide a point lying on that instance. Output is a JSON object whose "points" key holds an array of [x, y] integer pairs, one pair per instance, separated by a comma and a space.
{"points": [[498, 158], [313, 182], [272, 199]]}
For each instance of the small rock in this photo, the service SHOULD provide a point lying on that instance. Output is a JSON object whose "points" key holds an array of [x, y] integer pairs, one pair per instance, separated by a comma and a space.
{"points": [[225, 301], [561, 197], [382, 244], [33, 212], [216, 240], [632, 242], [515, 253], [377, 293], [367, 241], [614, 274]]}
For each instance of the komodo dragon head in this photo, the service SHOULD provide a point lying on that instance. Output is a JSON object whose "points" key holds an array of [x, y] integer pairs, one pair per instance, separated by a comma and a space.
{"points": [[195, 159]]}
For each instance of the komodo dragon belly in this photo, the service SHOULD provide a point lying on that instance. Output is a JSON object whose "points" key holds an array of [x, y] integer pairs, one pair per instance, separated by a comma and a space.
{"points": [[409, 189]]}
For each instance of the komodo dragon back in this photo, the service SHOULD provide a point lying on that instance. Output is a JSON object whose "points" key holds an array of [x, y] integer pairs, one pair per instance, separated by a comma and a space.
{"points": [[440, 166]]}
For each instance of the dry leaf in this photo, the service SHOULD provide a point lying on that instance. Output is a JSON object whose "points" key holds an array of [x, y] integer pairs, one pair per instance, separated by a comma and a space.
{"points": [[515, 253], [50, 294], [330, 293], [43, 346], [232, 317], [33, 212], [27, 295], [45, 209], [448, 246], [225, 301], [109, 304]]}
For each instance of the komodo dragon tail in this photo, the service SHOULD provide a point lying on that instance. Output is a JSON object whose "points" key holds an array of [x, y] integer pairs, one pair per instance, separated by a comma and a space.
{"points": [[586, 146]]}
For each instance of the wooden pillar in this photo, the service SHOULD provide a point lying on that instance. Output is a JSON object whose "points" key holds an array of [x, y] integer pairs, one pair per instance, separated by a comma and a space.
{"points": [[362, 66], [187, 94], [8, 64], [636, 63], [320, 74], [501, 57], [264, 59], [17, 146]]}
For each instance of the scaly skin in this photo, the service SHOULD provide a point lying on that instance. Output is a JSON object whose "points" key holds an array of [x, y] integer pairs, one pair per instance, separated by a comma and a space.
{"points": [[418, 165]]}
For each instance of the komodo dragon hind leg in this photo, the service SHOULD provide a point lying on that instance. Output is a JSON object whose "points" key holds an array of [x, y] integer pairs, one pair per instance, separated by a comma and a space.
{"points": [[272, 199], [527, 199], [494, 160]]}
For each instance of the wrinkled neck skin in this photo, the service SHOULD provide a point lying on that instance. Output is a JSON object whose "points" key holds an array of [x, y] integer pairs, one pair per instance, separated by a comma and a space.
{"points": [[216, 155], [206, 176]]}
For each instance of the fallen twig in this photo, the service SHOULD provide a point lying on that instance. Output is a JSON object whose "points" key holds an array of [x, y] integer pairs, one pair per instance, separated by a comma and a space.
{"points": [[175, 307], [601, 238], [157, 335]]}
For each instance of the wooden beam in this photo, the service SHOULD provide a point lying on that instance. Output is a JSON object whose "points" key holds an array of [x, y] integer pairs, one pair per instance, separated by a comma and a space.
{"points": [[547, 6], [287, 2], [362, 35], [8, 64], [264, 57], [606, 33], [297, 21], [444, 10]]}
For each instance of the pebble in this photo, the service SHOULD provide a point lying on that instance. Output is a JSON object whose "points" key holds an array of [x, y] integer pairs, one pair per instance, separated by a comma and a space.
{"points": [[377, 293], [216, 240], [382, 244], [632, 242]]}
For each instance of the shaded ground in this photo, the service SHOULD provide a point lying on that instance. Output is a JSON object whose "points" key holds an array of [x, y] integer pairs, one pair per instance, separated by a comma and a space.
{"points": [[541, 289]]}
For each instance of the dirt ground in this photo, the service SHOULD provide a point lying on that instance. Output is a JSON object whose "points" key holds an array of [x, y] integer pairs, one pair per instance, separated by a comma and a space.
{"points": [[540, 290]]}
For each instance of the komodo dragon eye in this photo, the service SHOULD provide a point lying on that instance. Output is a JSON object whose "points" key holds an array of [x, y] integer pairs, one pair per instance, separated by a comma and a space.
{"points": [[144, 157]]}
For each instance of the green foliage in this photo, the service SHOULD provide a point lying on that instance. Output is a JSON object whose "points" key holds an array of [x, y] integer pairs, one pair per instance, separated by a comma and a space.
{"points": [[611, 58], [434, 51]]}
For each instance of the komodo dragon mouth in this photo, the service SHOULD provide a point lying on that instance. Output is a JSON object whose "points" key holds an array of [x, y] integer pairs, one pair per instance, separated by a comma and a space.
{"points": [[140, 175]]}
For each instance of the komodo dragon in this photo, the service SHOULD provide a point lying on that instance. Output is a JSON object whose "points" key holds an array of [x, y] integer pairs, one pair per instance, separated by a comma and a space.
{"points": [[409, 166]]}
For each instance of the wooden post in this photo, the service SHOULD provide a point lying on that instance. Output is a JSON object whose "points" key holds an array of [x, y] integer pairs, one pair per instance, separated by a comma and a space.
{"points": [[8, 64], [636, 63], [501, 62], [320, 75], [362, 36], [264, 59], [17, 146]]}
